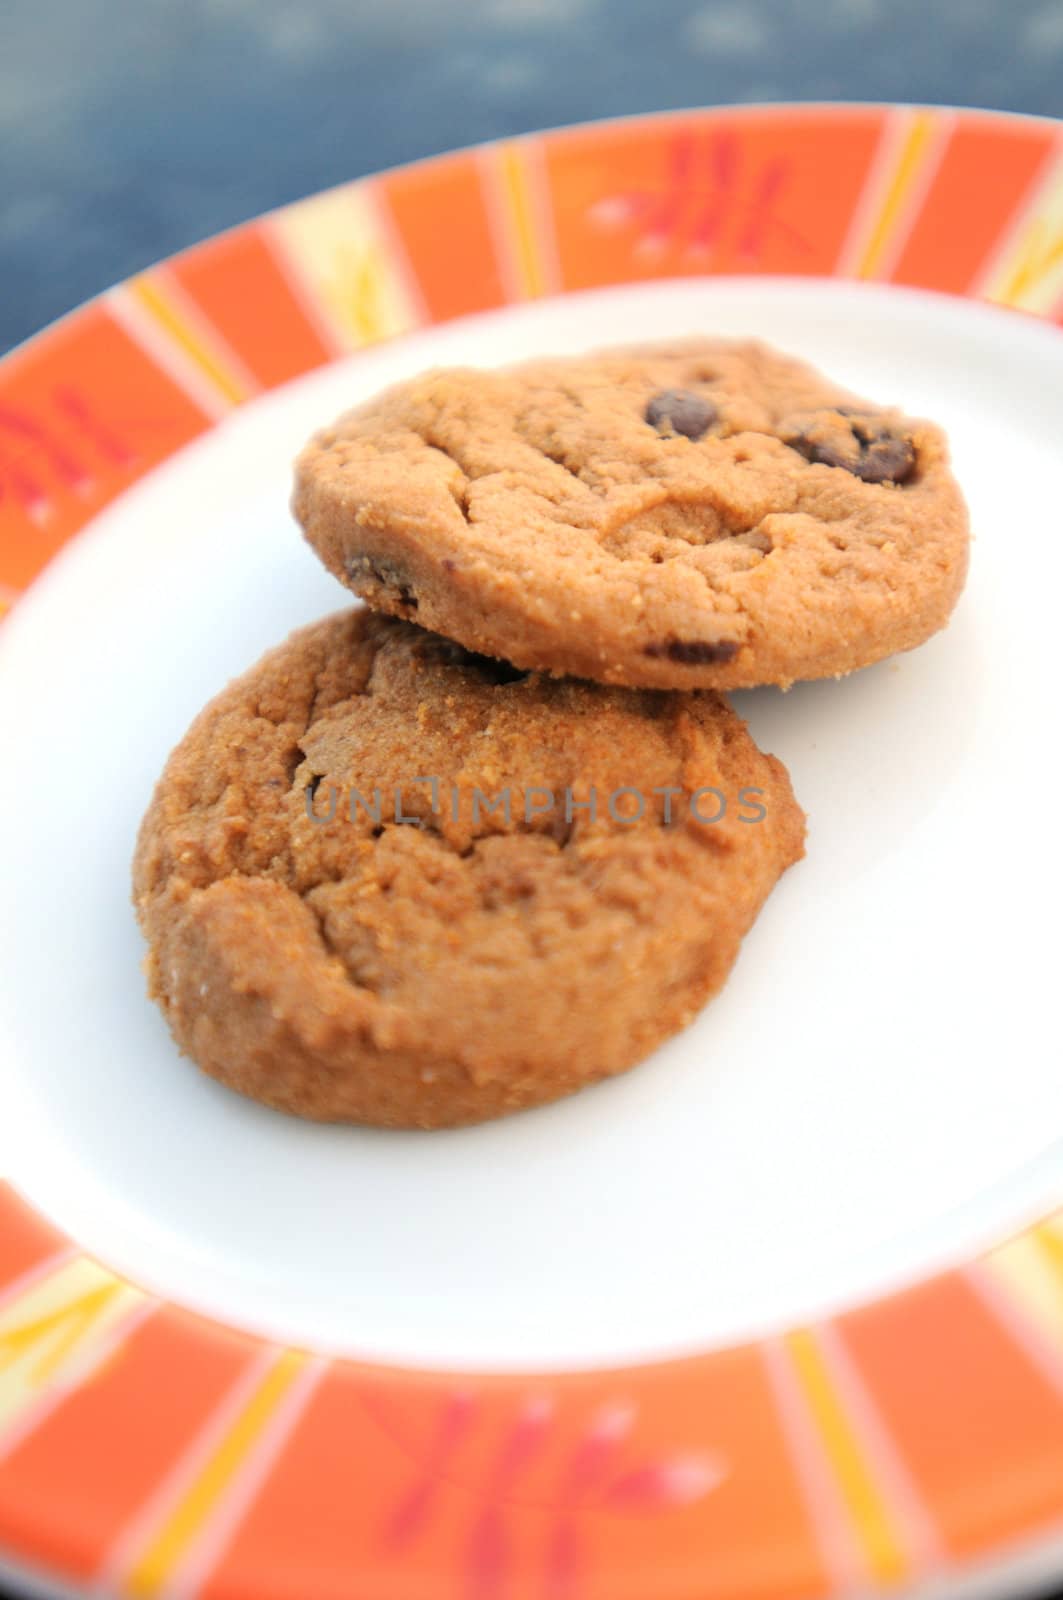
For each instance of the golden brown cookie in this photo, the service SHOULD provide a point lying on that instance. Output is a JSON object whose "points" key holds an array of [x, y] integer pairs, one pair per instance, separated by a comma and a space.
{"points": [[702, 514], [476, 956]]}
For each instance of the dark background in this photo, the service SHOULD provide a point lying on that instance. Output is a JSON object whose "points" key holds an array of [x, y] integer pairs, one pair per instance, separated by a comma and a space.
{"points": [[131, 128]]}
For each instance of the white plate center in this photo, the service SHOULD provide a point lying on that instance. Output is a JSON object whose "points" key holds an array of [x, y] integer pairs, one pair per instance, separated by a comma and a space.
{"points": [[876, 1091]]}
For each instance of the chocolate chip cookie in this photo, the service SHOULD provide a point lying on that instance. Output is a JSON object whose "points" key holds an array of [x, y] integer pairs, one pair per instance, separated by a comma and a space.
{"points": [[386, 881], [700, 514]]}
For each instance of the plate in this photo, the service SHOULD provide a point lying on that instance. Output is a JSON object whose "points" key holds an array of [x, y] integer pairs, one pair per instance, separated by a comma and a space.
{"points": [[778, 1314]]}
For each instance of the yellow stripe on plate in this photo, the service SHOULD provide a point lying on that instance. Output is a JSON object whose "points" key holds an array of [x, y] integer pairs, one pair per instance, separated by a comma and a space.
{"points": [[156, 1565], [1050, 1237], [872, 1522], [1028, 272], [152, 298], [1038, 270], [55, 1332], [1030, 1269], [349, 276], [517, 188], [908, 168]]}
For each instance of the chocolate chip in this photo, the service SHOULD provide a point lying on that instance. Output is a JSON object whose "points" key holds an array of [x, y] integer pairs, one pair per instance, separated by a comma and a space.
{"points": [[386, 576], [858, 441], [447, 653], [693, 652], [681, 411], [435, 650], [496, 671]]}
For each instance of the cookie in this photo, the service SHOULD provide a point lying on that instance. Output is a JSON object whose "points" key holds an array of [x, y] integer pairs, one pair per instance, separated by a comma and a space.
{"points": [[703, 514], [348, 920]]}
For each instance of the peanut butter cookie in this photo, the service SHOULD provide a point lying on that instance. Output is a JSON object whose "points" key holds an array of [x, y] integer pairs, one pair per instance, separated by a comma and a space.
{"points": [[704, 514], [386, 881]]}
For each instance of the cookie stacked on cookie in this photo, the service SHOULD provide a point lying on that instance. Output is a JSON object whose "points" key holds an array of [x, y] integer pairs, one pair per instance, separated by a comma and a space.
{"points": [[420, 878], [700, 515]]}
